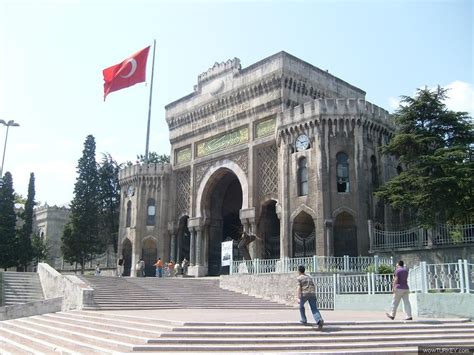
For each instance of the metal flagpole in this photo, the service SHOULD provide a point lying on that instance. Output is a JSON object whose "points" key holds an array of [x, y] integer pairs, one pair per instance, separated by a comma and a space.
{"points": [[149, 105]]}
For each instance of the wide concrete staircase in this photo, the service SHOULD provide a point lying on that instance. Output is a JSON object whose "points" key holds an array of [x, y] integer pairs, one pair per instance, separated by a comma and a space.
{"points": [[89, 332], [21, 287], [168, 293]]}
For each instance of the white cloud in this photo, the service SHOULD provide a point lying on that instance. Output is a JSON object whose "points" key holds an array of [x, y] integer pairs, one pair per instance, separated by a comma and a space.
{"points": [[460, 97]]}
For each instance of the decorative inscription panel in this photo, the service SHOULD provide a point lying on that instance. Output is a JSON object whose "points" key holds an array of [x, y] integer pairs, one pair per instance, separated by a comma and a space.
{"points": [[183, 155], [239, 108], [265, 128], [223, 142]]}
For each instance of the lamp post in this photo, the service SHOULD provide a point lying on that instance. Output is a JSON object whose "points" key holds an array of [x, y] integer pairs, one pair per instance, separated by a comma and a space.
{"points": [[9, 124]]}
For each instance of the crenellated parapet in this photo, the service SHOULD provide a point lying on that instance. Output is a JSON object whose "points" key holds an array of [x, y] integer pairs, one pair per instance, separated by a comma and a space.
{"points": [[337, 115], [218, 69], [144, 173]]}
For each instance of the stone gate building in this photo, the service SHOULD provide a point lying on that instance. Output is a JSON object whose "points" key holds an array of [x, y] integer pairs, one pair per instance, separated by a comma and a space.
{"points": [[281, 149]]}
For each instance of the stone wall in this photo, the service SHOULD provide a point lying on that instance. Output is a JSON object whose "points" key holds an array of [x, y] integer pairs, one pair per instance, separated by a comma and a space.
{"points": [[31, 309], [74, 292], [275, 287]]}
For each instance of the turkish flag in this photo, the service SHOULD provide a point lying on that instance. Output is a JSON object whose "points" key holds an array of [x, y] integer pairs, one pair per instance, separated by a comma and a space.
{"points": [[130, 72]]}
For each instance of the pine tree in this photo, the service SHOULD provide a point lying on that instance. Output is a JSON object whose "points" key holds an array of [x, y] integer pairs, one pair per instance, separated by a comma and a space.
{"points": [[434, 145], [23, 244], [109, 197], [80, 240], [7, 223]]}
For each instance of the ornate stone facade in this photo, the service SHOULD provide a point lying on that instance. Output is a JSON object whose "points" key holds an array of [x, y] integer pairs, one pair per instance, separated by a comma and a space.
{"points": [[280, 148]]}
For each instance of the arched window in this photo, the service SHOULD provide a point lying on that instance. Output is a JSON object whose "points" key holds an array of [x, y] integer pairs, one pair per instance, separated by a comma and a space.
{"points": [[128, 220], [373, 172], [151, 212], [342, 171], [302, 177]]}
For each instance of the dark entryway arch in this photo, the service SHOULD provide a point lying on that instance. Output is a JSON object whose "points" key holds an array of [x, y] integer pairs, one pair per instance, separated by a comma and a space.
{"points": [[127, 256], [345, 235], [304, 236], [149, 255], [222, 202], [269, 231]]}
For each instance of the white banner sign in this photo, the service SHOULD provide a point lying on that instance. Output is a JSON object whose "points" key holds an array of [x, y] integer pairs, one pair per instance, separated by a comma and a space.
{"points": [[226, 253]]}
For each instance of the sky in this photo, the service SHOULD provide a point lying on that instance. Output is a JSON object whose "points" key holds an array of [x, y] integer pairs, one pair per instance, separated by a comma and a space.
{"points": [[52, 54]]}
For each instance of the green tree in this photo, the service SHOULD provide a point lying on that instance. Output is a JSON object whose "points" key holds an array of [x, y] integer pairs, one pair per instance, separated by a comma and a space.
{"points": [[80, 240], [154, 158], [23, 244], [7, 223], [109, 199], [433, 146], [39, 248]]}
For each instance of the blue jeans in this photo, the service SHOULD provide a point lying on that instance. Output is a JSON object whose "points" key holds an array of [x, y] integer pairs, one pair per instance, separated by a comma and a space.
{"points": [[159, 272], [314, 308]]}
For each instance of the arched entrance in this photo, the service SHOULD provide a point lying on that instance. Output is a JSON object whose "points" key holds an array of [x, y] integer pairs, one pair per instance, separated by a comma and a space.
{"points": [[222, 204], [127, 256], [269, 231], [183, 239], [345, 235], [149, 255], [303, 236]]}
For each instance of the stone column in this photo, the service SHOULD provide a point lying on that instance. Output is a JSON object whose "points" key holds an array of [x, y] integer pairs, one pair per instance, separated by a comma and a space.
{"points": [[284, 193], [197, 268], [135, 253], [192, 248], [328, 224], [198, 247], [173, 246]]}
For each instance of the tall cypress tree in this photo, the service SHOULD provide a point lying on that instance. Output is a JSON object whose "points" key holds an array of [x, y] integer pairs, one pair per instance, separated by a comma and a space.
{"points": [[109, 196], [24, 246], [80, 240], [7, 223]]}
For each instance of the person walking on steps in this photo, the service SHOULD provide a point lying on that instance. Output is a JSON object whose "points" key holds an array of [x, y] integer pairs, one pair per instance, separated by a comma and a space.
{"points": [[400, 291], [306, 291]]}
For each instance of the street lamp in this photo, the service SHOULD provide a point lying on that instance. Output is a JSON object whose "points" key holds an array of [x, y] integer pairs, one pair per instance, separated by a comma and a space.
{"points": [[9, 124]]}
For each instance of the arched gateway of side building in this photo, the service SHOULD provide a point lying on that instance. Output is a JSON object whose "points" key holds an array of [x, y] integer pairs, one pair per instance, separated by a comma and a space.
{"points": [[280, 149]]}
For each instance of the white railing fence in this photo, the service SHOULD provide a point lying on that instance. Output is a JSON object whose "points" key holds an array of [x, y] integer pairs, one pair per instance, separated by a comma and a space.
{"points": [[439, 235], [312, 264], [106, 260], [449, 277]]}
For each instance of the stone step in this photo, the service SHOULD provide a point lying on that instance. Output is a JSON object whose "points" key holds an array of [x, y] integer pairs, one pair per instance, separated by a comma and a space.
{"points": [[331, 347], [295, 334], [154, 327], [315, 339], [310, 329], [70, 340], [99, 332], [30, 341]]}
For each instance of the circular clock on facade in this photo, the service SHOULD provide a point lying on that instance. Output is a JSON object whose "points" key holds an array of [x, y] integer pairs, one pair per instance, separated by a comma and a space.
{"points": [[302, 143], [131, 191]]}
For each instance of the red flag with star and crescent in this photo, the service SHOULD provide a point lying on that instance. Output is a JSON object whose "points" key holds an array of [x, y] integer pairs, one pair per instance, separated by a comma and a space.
{"points": [[127, 73]]}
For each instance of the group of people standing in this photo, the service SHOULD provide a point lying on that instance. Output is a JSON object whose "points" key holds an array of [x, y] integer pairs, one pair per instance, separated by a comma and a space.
{"points": [[169, 269]]}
